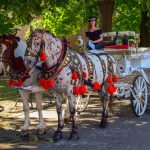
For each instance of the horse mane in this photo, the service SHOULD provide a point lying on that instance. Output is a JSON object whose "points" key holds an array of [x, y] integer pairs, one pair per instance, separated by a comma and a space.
{"points": [[42, 31]]}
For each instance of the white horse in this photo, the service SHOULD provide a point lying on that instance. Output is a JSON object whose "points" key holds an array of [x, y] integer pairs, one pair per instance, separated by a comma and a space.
{"points": [[13, 52], [65, 71]]}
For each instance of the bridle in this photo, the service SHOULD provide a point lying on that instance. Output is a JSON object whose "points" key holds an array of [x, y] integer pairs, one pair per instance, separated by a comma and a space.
{"points": [[31, 53], [45, 69], [14, 74]]}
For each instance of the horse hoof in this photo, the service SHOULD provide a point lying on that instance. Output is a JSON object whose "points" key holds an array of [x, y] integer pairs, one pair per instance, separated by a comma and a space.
{"points": [[57, 136], [74, 136], [104, 123], [41, 131], [25, 137]]}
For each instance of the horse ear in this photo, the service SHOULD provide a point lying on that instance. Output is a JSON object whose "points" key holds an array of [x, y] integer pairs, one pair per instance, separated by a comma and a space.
{"points": [[31, 28]]}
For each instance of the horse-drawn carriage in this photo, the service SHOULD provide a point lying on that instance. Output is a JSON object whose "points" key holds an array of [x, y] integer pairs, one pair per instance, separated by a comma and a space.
{"points": [[133, 71], [46, 59]]}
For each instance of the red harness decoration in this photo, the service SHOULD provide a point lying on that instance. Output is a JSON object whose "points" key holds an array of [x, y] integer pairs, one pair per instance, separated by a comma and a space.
{"points": [[110, 80], [49, 83], [43, 56], [19, 82]]}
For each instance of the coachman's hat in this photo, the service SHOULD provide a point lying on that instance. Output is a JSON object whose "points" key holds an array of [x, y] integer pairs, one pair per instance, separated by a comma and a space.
{"points": [[92, 18]]}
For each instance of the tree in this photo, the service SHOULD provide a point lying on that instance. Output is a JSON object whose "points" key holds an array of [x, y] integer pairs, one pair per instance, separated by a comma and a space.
{"points": [[106, 8]]}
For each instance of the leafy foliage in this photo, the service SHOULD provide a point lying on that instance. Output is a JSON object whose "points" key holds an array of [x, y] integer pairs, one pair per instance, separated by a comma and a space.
{"points": [[126, 16], [66, 17], [67, 20], [5, 24]]}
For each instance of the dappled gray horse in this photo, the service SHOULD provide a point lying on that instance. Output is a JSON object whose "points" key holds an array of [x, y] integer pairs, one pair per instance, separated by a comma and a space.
{"points": [[65, 71]]}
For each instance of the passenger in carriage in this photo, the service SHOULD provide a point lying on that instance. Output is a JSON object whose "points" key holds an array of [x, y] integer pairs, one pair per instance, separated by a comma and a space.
{"points": [[94, 35]]}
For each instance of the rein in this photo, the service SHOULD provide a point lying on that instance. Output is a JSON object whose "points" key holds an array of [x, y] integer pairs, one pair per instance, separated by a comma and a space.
{"points": [[48, 71], [19, 74]]}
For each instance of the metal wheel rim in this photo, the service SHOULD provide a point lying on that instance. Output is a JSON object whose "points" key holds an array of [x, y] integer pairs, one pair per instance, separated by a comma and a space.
{"points": [[141, 92], [81, 103]]}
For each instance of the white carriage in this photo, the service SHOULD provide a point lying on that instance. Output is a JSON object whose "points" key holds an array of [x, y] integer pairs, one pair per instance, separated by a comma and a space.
{"points": [[133, 70]]}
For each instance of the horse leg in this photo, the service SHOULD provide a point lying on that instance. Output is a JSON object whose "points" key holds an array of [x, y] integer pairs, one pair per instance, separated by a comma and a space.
{"points": [[41, 127], [25, 127], [105, 103], [67, 116], [58, 133], [72, 108]]}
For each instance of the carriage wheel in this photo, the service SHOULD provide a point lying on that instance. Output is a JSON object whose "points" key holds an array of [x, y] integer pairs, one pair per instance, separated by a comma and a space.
{"points": [[82, 102], [139, 95]]}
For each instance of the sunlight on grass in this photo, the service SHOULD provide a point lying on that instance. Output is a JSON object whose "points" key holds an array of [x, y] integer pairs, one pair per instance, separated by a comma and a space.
{"points": [[7, 92], [2, 86]]}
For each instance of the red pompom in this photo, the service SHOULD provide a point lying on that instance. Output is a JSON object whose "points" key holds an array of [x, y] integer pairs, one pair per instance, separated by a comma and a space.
{"points": [[115, 79], [51, 82], [82, 89], [15, 83], [111, 89], [10, 82], [109, 79], [74, 75], [84, 74], [43, 83], [43, 56], [20, 83], [76, 90], [96, 86]]}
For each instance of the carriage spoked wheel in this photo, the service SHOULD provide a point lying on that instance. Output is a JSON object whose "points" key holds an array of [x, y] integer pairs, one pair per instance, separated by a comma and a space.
{"points": [[139, 95], [82, 102]]}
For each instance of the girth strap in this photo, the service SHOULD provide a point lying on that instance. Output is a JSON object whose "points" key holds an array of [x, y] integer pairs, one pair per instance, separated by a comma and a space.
{"points": [[90, 66]]}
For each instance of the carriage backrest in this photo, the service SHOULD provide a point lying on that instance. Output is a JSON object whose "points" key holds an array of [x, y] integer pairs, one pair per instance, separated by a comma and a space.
{"points": [[120, 33]]}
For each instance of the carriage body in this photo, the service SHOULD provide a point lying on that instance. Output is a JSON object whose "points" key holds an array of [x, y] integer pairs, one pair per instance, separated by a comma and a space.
{"points": [[133, 71]]}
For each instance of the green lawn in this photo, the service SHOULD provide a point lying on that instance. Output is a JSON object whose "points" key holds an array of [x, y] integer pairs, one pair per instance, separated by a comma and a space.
{"points": [[7, 92]]}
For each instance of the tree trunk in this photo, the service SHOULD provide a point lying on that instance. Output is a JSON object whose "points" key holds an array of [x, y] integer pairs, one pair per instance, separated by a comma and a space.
{"points": [[144, 33], [106, 11]]}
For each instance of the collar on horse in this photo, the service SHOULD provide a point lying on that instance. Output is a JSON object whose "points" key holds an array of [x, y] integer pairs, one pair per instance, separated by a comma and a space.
{"points": [[16, 74], [49, 72]]}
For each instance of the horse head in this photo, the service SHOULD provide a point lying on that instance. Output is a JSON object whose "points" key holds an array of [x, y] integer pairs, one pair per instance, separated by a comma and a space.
{"points": [[6, 41], [43, 46], [11, 53]]}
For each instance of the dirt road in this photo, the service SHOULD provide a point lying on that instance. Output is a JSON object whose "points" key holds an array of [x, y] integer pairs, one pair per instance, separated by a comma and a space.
{"points": [[125, 131]]}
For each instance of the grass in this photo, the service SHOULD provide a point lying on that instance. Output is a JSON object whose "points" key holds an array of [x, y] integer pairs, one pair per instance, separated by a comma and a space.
{"points": [[7, 92]]}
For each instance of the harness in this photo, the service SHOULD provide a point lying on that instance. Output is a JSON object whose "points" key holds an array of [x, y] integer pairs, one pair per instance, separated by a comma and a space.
{"points": [[90, 66], [20, 74]]}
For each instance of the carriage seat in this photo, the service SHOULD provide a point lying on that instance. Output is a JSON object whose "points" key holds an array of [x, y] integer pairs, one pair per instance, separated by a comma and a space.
{"points": [[121, 34]]}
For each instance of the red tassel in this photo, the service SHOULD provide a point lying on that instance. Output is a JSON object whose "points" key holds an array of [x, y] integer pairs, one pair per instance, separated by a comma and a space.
{"points": [[82, 89], [15, 83], [76, 90], [10, 82], [109, 79], [84, 74], [115, 79], [96, 86], [44, 83], [43, 56], [51, 82], [111, 89], [20, 83], [74, 75]]}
